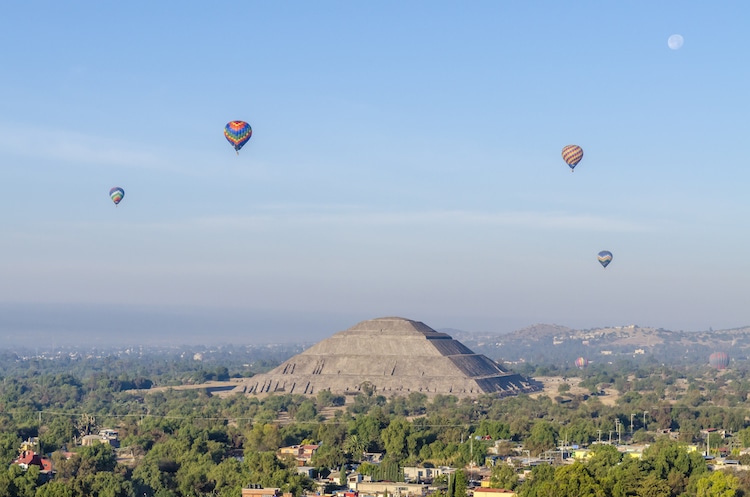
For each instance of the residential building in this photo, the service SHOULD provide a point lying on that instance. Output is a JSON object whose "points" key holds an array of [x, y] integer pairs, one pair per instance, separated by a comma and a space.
{"points": [[419, 475], [493, 492], [395, 489], [302, 453], [258, 491], [31, 458]]}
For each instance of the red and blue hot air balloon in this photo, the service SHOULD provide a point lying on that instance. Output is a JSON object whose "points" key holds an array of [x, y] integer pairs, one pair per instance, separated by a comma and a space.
{"points": [[719, 360], [116, 194], [237, 134]]}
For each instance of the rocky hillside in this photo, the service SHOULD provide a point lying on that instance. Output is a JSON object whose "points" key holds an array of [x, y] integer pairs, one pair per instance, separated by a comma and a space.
{"points": [[545, 343]]}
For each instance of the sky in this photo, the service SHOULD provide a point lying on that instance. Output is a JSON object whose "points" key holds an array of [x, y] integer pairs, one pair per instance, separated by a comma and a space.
{"points": [[405, 161]]}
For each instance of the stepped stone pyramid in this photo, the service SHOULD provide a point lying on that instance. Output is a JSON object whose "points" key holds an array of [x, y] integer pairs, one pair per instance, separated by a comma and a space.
{"points": [[395, 356]]}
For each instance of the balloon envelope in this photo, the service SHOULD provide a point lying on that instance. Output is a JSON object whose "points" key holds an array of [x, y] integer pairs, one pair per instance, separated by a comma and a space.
{"points": [[719, 360], [604, 257], [116, 194], [582, 362], [572, 155], [237, 133]]}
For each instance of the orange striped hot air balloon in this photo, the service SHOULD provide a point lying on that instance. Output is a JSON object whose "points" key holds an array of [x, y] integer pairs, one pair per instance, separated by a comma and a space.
{"points": [[572, 155]]}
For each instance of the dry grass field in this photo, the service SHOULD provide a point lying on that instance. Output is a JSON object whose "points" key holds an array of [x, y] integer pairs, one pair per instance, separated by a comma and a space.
{"points": [[552, 384]]}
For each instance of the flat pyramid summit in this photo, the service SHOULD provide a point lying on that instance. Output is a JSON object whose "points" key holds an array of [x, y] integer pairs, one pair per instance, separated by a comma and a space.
{"points": [[395, 356]]}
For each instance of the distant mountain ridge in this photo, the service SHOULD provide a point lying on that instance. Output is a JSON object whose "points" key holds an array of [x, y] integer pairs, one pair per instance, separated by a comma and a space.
{"points": [[562, 345]]}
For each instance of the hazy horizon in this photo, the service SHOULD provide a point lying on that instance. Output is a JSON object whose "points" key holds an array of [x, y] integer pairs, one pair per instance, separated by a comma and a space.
{"points": [[76, 325]]}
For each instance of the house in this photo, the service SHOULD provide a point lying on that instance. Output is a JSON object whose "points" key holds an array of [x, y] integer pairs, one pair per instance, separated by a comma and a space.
{"points": [[419, 475], [258, 491], [302, 453], [112, 437], [377, 488], [105, 436], [30, 445], [372, 457], [308, 471], [352, 479], [31, 458], [493, 492]]}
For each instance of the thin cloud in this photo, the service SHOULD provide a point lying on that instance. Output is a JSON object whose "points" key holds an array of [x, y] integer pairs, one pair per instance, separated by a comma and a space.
{"points": [[342, 215], [73, 147], [103, 151]]}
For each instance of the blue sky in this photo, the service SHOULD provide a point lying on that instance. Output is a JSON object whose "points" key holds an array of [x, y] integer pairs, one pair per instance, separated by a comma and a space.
{"points": [[405, 160]]}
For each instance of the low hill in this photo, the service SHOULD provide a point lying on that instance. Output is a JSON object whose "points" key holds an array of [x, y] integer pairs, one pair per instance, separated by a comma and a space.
{"points": [[548, 343]]}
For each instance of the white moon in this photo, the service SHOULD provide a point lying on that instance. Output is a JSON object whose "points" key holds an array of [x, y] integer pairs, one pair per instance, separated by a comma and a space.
{"points": [[675, 42]]}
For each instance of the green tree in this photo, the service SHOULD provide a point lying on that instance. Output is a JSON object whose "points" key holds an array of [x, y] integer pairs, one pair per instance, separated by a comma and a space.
{"points": [[9, 442], [717, 484], [744, 436], [107, 484], [460, 483], [354, 446], [329, 456], [229, 476], [603, 458], [653, 486], [55, 488], [58, 433], [368, 427], [624, 478], [394, 438], [543, 436], [503, 476], [306, 411], [540, 484], [496, 430], [576, 481], [263, 437], [96, 458]]}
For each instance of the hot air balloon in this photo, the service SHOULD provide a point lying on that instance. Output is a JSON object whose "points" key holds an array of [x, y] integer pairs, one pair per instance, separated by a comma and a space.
{"points": [[116, 195], [572, 155], [237, 134], [582, 362], [718, 360], [604, 257]]}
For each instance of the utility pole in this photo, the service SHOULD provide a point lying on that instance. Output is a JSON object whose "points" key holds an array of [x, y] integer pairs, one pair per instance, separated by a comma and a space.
{"points": [[644, 419], [471, 458], [617, 425], [600, 435], [708, 444], [631, 423]]}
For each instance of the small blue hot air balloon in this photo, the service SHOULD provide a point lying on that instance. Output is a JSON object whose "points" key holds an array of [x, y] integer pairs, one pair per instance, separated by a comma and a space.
{"points": [[116, 194], [604, 257]]}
